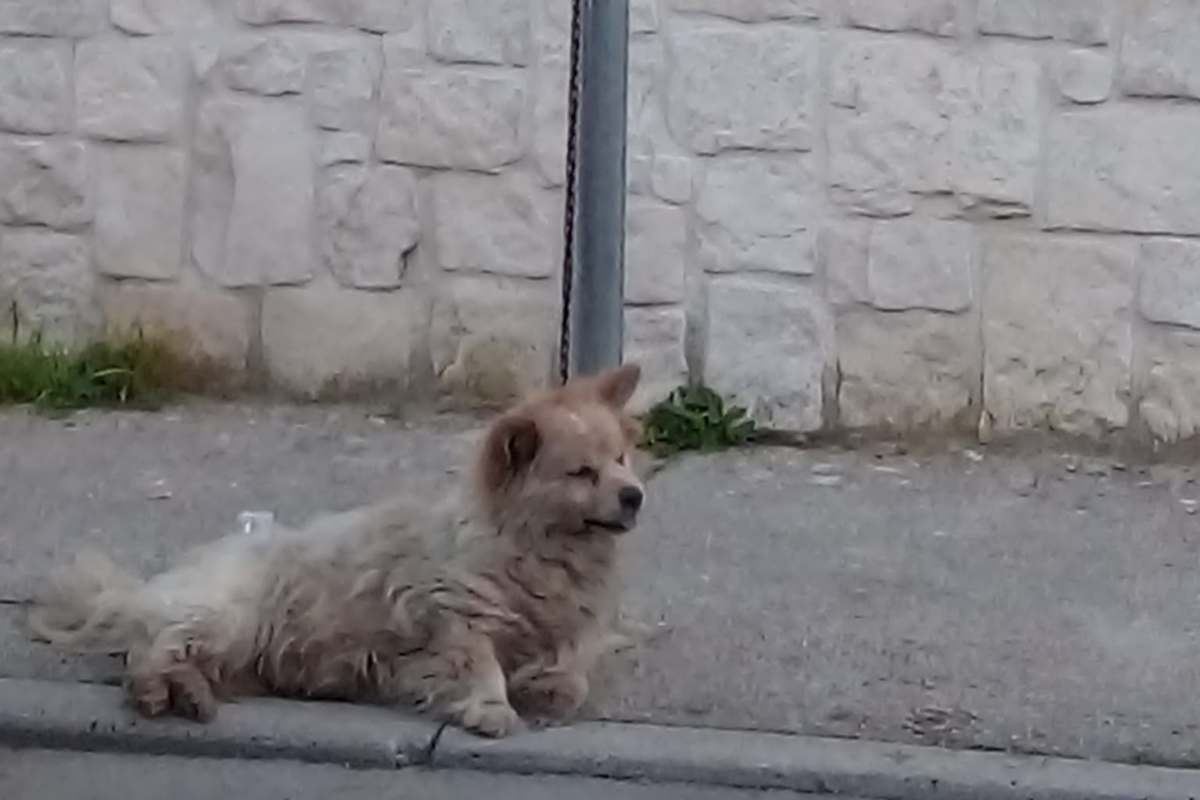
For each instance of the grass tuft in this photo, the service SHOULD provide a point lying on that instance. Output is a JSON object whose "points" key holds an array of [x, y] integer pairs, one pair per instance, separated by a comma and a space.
{"points": [[135, 371]]}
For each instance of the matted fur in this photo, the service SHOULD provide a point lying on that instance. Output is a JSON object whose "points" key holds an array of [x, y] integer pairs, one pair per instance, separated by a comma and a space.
{"points": [[465, 610]]}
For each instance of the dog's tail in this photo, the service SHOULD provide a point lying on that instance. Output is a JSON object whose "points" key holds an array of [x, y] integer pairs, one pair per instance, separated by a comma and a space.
{"points": [[89, 606]]}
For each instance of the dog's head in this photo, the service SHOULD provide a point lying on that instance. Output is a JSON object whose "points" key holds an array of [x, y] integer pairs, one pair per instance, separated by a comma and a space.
{"points": [[564, 458]]}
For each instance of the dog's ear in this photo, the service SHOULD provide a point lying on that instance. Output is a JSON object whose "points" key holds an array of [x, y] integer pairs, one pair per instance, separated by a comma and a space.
{"points": [[510, 447], [616, 386]]}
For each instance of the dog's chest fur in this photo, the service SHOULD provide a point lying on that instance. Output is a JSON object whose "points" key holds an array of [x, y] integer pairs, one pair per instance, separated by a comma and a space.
{"points": [[541, 602]]}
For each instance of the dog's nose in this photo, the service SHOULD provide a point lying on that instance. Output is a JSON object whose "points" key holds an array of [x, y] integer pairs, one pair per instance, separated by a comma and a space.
{"points": [[631, 498]]}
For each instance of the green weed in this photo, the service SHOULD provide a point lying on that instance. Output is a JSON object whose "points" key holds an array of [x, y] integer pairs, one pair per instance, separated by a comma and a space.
{"points": [[695, 418], [136, 371]]}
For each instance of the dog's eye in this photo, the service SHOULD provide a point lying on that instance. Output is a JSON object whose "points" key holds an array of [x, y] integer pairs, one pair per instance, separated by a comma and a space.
{"points": [[586, 473], [621, 459]]}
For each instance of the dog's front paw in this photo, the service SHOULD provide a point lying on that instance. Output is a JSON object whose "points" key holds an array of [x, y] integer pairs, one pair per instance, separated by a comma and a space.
{"points": [[150, 699], [491, 718], [193, 701], [556, 694]]}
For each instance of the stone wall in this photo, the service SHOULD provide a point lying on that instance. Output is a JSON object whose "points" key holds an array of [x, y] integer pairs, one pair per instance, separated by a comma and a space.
{"points": [[858, 213]]}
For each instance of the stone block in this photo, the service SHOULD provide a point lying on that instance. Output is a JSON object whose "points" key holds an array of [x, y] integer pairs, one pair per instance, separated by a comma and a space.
{"points": [[1159, 55], [769, 347], [552, 31], [200, 323], [369, 223], [1084, 76], [140, 195], [646, 121], [147, 17], [1107, 169], [504, 224], [550, 120], [44, 183], [342, 85], [203, 54], [758, 213], [908, 371], [342, 147], [1057, 333], [766, 103], [1169, 389], [1086, 22], [339, 74], [267, 65], [253, 188], [897, 265], [320, 342], [35, 86], [1169, 286], [926, 264], [72, 18], [481, 31], [671, 178], [49, 278], [493, 339], [842, 251], [654, 339], [643, 16], [752, 10], [451, 118], [912, 116], [130, 89], [379, 16], [938, 17], [639, 163], [406, 48], [655, 252]]}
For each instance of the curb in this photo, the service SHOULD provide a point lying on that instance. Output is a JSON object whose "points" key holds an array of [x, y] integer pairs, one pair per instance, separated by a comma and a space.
{"points": [[92, 717], [808, 764]]}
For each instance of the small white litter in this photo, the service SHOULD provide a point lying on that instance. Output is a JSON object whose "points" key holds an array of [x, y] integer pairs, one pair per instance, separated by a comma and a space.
{"points": [[252, 522]]}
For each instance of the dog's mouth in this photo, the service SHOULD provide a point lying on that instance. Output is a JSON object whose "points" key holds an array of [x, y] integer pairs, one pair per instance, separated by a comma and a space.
{"points": [[613, 525]]}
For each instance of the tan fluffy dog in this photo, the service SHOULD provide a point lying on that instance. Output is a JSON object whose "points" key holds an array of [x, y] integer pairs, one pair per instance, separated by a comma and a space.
{"points": [[465, 610]]}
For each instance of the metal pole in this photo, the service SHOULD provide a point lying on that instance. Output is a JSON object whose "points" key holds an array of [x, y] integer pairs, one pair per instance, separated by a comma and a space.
{"points": [[597, 302]]}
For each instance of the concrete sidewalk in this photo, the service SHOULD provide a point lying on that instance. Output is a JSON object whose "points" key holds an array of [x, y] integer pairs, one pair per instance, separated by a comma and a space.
{"points": [[1030, 601]]}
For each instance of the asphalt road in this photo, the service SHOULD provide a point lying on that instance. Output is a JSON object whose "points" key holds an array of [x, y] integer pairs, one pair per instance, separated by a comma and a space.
{"points": [[62, 775]]}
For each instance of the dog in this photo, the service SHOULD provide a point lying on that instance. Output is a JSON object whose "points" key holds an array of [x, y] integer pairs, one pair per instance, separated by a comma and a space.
{"points": [[499, 598]]}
